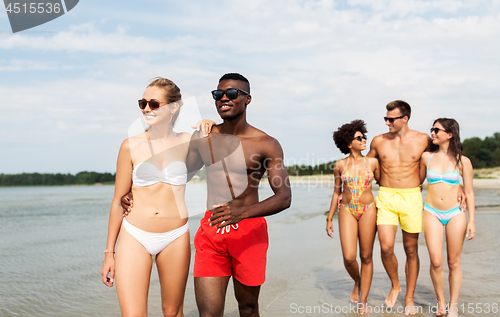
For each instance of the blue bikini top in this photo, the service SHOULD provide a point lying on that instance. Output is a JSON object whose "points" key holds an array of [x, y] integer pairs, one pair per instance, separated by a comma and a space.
{"points": [[450, 178]]}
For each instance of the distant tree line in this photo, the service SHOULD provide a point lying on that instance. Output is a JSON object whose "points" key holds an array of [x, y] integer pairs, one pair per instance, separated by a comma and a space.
{"points": [[31, 179], [483, 153], [302, 170]]}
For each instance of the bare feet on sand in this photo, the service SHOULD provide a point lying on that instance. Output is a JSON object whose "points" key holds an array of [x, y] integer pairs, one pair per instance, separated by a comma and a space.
{"points": [[354, 297], [391, 299], [441, 309], [363, 308], [410, 308], [453, 313]]}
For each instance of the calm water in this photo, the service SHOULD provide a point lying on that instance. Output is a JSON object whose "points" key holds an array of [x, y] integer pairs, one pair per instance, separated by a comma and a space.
{"points": [[52, 239]]}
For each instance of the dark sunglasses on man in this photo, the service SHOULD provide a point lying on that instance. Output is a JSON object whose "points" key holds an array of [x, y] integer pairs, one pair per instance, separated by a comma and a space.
{"points": [[231, 93], [391, 120]]}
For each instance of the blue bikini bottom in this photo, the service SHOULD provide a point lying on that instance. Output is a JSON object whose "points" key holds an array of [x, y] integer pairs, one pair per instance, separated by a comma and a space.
{"points": [[443, 216]]}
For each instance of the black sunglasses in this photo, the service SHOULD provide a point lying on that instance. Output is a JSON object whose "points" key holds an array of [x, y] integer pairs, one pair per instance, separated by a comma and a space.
{"points": [[153, 104], [436, 130], [360, 137], [231, 93], [391, 120]]}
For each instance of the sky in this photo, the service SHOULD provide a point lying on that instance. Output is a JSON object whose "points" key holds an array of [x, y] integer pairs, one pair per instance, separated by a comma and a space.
{"points": [[69, 88]]}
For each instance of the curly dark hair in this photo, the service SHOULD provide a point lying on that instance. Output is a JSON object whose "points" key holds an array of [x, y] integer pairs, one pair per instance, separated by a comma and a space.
{"points": [[345, 134]]}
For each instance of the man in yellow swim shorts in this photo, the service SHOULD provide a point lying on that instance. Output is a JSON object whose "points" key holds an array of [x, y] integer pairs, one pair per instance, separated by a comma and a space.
{"points": [[399, 200], [401, 206]]}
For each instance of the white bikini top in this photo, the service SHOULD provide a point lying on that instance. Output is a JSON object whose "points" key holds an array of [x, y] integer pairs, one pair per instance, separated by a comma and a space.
{"points": [[145, 174]]}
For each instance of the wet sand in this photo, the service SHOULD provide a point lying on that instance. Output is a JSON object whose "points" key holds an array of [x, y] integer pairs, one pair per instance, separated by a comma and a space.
{"points": [[306, 276], [327, 286], [324, 286]]}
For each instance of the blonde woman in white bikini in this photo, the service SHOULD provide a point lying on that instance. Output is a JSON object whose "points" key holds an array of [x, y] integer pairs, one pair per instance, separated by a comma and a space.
{"points": [[153, 164]]}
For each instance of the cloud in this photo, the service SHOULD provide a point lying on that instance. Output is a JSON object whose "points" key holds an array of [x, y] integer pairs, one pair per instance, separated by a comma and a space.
{"points": [[313, 66], [15, 65], [86, 38]]}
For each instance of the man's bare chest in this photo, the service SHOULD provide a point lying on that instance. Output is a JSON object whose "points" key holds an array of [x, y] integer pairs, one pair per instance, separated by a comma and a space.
{"points": [[393, 152]]}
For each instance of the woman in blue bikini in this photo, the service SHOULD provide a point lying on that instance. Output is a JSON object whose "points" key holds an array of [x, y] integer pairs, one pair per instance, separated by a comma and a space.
{"points": [[153, 164], [445, 167], [357, 212]]}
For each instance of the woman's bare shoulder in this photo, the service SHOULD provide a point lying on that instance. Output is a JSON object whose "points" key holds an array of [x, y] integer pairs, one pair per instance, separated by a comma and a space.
{"points": [[137, 138], [184, 136], [371, 160], [340, 164], [465, 161]]}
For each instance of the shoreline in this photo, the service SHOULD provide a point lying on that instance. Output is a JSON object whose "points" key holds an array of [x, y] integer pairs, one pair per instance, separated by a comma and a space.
{"points": [[329, 180], [58, 185], [485, 179], [309, 180]]}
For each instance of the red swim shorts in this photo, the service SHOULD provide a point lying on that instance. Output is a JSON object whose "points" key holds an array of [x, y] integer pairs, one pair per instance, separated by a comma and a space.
{"points": [[240, 253]]}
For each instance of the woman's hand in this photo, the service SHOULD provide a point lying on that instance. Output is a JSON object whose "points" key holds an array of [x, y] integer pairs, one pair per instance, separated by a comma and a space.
{"points": [[205, 125], [108, 267], [470, 232], [329, 228]]}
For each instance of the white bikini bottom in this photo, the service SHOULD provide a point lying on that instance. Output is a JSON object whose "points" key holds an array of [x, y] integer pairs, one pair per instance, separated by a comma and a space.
{"points": [[152, 241]]}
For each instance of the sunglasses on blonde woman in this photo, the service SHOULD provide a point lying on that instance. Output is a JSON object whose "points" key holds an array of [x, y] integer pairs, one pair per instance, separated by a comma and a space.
{"points": [[153, 104]]}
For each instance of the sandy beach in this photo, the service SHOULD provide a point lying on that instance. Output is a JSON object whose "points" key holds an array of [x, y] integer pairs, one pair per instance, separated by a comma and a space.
{"points": [[306, 276]]}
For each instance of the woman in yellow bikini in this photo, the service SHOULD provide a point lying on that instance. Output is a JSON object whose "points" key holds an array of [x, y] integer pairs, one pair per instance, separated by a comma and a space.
{"points": [[445, 167], [357, 212]]}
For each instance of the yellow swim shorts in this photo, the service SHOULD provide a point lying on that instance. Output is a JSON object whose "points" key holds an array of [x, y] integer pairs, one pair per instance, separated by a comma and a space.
{"points": [[401, 206]]}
